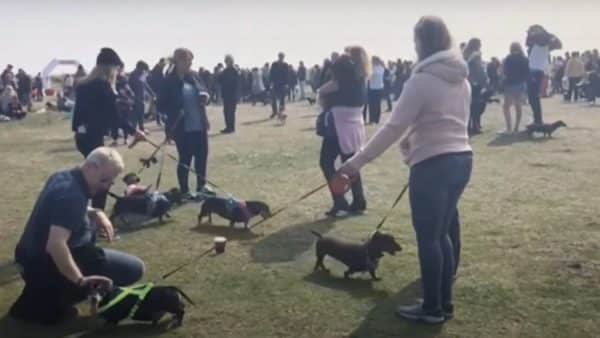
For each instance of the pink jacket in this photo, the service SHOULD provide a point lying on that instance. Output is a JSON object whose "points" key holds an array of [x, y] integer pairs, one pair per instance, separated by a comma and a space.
{"points": [[431, 115]]}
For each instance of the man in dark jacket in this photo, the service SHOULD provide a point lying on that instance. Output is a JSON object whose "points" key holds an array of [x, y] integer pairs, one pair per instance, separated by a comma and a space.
{"points": [[229, 81], [24, 89], [155, 81], [278, 79], [137, 83], [302, 79]]}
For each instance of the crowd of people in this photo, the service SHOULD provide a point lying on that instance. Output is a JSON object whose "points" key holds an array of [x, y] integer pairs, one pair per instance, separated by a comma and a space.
{"points": [[434, 110], [17, 92]]}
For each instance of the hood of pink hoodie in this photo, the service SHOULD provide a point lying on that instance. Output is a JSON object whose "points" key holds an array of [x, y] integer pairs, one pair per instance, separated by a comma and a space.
{"points": [[450, 68]]}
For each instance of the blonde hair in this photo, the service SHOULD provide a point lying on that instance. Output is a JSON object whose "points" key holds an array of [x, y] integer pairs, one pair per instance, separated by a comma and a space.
{"points": [[360, 59], [105, 156], [104, 72]]}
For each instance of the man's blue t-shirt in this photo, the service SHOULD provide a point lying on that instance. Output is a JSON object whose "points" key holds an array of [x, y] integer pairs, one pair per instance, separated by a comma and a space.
{"points": [[63, 202]]}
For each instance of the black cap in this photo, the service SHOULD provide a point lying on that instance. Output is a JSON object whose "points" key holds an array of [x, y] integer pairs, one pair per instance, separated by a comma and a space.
{"points": [[108, 57]]}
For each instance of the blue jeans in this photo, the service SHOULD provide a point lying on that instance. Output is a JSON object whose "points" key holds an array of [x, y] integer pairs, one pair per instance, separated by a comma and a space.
{"points": [[192, 144], [436, 185], [124, 269], [533, 91]]}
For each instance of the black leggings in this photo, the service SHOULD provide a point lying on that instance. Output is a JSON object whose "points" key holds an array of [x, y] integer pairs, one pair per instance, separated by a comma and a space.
{"points": [[374, 105], [192, 145], [475, 109], [330, 150], [533, 92], [86, 144]]}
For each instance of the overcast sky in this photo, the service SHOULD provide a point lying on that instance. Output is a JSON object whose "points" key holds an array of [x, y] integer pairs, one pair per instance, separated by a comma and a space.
{"points": [[35, 31]]}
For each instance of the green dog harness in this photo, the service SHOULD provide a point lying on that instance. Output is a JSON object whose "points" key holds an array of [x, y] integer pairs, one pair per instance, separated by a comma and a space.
{"points": [[140, 291]]}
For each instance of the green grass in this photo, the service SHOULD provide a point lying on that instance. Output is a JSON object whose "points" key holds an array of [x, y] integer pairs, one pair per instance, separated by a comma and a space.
{"points": [[531, 235]]}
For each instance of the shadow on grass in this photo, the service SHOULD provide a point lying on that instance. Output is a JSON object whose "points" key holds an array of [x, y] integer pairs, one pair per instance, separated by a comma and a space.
{"points": [[133, 226], [225, 231], [67, 149], [13, 328], [381, 321], [357, 287], [127, 330], [249, 123], [286, 244], [507, 140]]}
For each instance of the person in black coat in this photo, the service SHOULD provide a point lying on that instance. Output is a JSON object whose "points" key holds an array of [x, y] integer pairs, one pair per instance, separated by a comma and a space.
{"points": [[229, 81], [95, 112], [137, 83], [278, 80], [183, 99], [155, 81]]}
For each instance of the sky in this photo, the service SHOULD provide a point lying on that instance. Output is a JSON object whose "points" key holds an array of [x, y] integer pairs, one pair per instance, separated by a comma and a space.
{"points": [[254, 31]]}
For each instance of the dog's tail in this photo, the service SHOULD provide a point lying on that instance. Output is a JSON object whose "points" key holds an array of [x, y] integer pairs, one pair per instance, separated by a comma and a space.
{"points": [[186, 297], [316, 234], [115, 196]]}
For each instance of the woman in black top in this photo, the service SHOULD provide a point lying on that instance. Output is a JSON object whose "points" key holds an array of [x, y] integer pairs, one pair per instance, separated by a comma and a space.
{"points": [[516, 73], [344, 96], [95, 112]]}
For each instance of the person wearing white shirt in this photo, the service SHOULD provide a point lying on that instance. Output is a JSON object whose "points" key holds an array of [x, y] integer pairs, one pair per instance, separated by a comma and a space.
{"points": [[375, 91], [540, 43]]}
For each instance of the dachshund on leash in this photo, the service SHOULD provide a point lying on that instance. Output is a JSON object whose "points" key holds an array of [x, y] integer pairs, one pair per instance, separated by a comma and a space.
{"points": [[357, 257]]}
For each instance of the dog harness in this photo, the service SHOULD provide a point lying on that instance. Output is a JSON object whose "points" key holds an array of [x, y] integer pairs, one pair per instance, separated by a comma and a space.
{"points": [[140, 291], [232, 204]]}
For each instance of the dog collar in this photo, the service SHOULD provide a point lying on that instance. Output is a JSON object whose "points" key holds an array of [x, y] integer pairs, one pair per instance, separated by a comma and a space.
{"points": [[140, 291]]}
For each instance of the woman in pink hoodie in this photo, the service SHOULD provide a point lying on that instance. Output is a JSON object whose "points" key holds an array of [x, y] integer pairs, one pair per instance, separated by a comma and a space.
{"points": [[431, 118]]}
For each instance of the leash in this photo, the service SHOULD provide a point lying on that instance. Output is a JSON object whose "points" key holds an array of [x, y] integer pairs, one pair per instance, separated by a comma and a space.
{"points": [[392, 208], [160, 168], [180, 267], [280, 210], [187, 167]]}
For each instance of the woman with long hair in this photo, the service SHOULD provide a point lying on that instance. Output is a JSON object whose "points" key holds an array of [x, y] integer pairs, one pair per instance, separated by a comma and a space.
{"points": [[344, 96], [431, 119], [95, 112], [516, 71]]}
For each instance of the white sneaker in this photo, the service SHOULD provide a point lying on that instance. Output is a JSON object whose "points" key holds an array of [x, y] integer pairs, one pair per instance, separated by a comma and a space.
{"points": [[504, 132]]}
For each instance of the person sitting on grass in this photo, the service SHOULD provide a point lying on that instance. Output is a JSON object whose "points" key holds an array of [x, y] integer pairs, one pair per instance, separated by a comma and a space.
{"points": [[10, 105], [57, 251]]}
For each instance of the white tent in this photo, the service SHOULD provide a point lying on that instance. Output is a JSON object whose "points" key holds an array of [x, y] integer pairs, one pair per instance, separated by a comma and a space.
{"points": [[53, 64]]}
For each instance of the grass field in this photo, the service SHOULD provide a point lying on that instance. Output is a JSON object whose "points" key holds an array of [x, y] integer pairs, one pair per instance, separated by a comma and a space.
{"points": [[531, 234]]}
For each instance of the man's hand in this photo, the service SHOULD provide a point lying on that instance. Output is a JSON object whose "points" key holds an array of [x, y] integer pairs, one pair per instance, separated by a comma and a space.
{"points": [[104, 224], [96, 282], [207, 125]]}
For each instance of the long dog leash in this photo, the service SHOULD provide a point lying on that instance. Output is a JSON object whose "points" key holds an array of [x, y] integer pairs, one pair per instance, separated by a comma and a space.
{"points": [[385, 217], [280, 210]]}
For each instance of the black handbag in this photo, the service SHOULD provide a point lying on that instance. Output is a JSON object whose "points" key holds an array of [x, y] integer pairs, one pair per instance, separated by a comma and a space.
{"points": [[325, 125]]}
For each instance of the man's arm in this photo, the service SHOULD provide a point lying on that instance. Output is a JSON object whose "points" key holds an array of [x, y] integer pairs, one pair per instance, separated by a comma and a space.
{"points": [[57, 248]]}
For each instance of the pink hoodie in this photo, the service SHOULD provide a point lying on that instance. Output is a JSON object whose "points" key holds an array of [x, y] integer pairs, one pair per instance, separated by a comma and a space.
{"points": [[431, 115]]}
